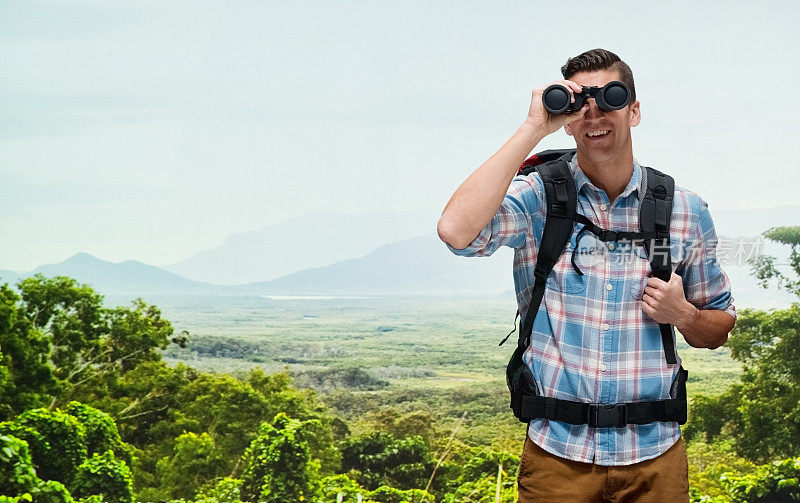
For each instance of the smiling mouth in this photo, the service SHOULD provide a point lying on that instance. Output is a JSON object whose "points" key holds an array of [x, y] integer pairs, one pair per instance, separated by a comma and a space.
{"points": [[598, 133]]}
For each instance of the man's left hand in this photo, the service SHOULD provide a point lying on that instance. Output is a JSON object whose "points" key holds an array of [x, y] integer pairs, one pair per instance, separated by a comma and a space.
{"points": [[665, 302]]}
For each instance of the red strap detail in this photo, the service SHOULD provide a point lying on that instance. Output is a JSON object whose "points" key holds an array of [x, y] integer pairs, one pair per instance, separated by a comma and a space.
{"points": [[530, 161]]}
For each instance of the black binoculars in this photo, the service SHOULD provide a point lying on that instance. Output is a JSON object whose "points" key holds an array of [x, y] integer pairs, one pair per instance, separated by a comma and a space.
{"points": [[612, 96]]}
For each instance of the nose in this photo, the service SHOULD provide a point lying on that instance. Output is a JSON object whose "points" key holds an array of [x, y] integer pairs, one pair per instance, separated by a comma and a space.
{"points": [[594, 110]]}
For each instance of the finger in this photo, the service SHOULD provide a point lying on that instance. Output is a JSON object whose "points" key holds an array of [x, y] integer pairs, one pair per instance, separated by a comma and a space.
{"points": [[649, 301], [572, 85], [656, 282], [652, 292]]}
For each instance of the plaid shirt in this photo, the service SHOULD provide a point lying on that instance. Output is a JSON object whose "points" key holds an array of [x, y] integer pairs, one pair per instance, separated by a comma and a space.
{"points": [[591, 341]]}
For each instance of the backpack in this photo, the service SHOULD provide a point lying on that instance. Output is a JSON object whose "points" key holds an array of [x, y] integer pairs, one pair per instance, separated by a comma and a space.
{"points": [[655, 213]]}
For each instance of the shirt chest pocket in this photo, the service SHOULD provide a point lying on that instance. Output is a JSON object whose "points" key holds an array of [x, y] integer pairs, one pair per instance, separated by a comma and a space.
{"points": [[563, 278], [643, 271]]}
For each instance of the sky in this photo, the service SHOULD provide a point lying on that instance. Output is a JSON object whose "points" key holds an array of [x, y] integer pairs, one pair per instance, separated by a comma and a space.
{"points": [[153, 129]]}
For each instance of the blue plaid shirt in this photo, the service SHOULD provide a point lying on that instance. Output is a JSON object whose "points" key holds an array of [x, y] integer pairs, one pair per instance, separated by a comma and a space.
{"points": [[591, 341]]}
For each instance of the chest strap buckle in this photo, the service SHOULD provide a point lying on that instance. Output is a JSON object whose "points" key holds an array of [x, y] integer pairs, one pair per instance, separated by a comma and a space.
{"points": [[603, 415]]}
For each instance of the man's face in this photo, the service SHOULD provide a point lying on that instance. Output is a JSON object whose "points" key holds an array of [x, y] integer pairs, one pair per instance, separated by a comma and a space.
{"points": [[618, 123]]}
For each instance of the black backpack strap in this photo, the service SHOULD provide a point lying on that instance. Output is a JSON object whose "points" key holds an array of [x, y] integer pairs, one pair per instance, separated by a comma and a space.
{"points": [[562, 202], [655, 215], [616, 415]]}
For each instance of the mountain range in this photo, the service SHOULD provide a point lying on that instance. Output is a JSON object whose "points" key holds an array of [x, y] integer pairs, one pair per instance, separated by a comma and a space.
{"points": [[410, 265]]}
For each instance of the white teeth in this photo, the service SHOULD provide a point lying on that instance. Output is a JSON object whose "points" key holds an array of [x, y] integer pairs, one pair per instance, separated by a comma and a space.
{"points": [[597, 133]]}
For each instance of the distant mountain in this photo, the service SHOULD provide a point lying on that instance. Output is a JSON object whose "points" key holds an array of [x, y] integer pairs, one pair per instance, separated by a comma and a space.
{"points": [[309, 240], [421, 265], [128, 278], [320, 239], [321, 250]]}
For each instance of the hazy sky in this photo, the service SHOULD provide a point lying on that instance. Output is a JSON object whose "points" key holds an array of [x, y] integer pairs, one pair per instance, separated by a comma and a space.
{"points": [[151, 130]]}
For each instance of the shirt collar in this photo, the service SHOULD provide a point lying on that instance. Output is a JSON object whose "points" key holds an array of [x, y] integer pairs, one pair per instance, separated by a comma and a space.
{"points": [[581, 179]]}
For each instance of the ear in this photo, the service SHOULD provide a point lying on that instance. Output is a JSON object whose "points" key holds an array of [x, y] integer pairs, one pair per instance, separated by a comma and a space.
{"points": [[567, 129], [636, 114]]}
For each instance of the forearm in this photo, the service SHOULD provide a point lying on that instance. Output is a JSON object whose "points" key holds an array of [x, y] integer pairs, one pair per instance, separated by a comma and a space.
{"points": [[705, 328], [479, 197]]}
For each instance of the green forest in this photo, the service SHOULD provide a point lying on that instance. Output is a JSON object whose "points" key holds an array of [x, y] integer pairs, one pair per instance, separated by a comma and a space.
{"points": [[103, 404]]}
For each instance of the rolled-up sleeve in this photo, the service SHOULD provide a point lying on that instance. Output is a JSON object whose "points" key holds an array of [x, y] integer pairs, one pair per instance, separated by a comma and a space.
{"points": [[705, 283], [517, 223]]}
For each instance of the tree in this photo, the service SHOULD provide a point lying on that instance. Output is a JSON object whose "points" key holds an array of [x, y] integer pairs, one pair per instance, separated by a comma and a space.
{"points": [[101, 432], [762, 411], [26, 378], [70, 315], [776, 482], [278, 465], [377, 459], [106, 476], [58, 341], [57, 442], [764, 266], [17, 474], [195, 462]]}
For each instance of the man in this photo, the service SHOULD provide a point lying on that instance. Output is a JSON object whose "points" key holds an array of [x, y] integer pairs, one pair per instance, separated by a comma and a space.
{"points": [[596, 337]]}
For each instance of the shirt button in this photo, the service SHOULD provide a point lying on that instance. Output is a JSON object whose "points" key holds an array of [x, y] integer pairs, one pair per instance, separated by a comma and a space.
{"points": [[603, 207], [609, 287], [603, 367], [605, 326], [610, 246]]}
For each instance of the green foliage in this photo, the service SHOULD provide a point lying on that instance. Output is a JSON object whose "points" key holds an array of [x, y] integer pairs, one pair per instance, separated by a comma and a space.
{"points": [[331, 378], [18, 480], [387, 494], [105, 475], [710, 414], [761, 412], [57, 442], [136, 335], [377, 459], [476, 479], [482, 490], [402, 422], [278, 465], [17, 474], [70, 314], [26, 378], [332, 485], [85, 343], [154, 404], [707, 462], [101, 432], [226, 490], [51, 491], [776, 482], [764, 266], [195, 462]]}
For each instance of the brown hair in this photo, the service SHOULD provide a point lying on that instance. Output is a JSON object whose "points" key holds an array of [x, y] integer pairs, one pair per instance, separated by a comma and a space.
{"points": [[600, 59]]}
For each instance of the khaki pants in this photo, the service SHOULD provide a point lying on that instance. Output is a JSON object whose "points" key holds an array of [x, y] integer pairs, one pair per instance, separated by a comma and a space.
{"points": [[546, 477]]}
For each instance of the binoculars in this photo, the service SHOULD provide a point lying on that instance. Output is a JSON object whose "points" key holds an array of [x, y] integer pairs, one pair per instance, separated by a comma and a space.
{"points": [[612, 96]]}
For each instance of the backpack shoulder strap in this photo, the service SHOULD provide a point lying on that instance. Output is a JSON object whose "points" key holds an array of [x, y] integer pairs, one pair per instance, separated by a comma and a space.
{"points": [[562, 201], [655, 215]]}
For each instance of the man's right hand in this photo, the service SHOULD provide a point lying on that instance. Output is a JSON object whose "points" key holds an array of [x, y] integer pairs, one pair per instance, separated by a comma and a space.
{"points": [[478, 198], [542, 120]]}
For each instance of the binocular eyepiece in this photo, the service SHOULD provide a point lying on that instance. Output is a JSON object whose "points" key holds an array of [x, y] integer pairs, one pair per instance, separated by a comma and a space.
{"points": [[612, 96]]}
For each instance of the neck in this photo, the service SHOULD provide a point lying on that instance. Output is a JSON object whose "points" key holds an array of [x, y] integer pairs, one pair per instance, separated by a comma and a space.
{"points": [[610, 174]]}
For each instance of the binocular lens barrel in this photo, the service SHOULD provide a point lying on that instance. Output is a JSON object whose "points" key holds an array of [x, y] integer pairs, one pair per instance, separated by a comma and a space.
{"points": [[612, 96]]}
